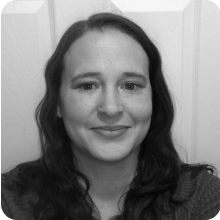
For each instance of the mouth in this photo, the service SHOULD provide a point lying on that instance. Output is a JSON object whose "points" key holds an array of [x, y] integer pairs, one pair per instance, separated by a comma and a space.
{"points": [[111, 131], [111, 128]]}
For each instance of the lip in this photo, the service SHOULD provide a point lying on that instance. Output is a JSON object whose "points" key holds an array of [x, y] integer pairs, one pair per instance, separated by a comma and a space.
{"points": [[111, 131], [111, 128], [110, 134]]}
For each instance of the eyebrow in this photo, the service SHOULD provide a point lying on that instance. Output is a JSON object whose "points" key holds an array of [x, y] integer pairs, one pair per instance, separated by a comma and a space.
{"points": [[98, 74]]}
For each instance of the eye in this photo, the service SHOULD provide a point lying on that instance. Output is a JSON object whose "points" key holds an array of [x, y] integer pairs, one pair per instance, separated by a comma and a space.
{"points": [[87, 86], [132, 86], [92, 86]]}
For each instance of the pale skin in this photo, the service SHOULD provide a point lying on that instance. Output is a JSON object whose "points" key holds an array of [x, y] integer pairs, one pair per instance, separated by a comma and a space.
{"points": [[109, 183], [106, 83]]}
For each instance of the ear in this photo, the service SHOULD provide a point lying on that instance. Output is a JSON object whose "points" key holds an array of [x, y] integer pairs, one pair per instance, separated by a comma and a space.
{"points": [[59, 114]]}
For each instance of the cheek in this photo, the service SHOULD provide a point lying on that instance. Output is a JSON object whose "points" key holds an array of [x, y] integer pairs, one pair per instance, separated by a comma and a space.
{"points": [[140, 109], [76, 109]]}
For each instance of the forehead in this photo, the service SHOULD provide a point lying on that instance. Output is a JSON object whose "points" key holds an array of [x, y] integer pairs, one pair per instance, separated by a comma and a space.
{"points": [[108, 46]]}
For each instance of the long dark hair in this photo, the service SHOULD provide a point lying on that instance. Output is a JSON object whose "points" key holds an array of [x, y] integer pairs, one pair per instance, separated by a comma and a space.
{"points": [[54, 176]]}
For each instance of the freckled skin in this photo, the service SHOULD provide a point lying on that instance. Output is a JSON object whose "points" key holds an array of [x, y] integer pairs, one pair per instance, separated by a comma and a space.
{"points": [[110, 53]]}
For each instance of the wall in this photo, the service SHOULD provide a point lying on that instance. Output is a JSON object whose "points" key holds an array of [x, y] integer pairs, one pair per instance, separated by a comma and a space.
{"points": [[26, 45], [208, 86], [186, 32]]}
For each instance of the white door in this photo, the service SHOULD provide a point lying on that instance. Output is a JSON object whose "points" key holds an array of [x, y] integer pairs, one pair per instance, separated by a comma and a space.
{"points": [[186, 32]]}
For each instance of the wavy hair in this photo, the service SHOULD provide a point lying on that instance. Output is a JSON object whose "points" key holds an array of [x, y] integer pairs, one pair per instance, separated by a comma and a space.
{"points": [[54, 175]]}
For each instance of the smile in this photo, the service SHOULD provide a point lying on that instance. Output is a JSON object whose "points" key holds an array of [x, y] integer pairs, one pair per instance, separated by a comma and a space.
{"points": [[111, 131]]}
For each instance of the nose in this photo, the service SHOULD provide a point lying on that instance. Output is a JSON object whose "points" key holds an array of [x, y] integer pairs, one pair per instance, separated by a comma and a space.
{"points": [[110, 103]]}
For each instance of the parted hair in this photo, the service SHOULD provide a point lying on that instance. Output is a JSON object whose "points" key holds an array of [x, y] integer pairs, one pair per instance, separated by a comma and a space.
{"points": [[53, 177]]}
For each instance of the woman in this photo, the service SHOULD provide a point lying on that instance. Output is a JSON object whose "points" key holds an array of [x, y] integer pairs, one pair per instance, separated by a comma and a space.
{"points": [[105, 129]]}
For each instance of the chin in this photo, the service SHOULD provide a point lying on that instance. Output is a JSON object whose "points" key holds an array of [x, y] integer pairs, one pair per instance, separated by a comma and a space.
{"points": [[115, 154]]}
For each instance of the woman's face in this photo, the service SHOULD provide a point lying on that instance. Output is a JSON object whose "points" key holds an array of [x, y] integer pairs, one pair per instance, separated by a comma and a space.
{"points": [[105, 96]]}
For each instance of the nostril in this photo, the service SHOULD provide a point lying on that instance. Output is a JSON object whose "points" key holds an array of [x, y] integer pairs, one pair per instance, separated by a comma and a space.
{"points": [[110, 109]]}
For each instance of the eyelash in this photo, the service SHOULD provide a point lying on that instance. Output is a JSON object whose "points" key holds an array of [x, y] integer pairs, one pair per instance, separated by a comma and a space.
{"points": [[82, 86]]}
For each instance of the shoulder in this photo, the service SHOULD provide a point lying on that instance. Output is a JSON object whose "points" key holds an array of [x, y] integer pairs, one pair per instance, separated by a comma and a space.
{"points": [[9, 206], [203, 191], [6, 198]]}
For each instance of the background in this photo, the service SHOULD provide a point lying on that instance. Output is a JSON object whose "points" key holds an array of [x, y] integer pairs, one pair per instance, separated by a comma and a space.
{"points": [[185, 31]]}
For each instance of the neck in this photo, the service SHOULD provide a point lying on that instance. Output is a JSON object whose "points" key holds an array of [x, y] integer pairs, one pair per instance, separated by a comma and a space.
{"points": [[109, 180]]}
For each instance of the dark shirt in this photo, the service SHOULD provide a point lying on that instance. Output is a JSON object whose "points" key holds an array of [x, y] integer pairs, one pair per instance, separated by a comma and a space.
{"points": [[203, 204]]}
